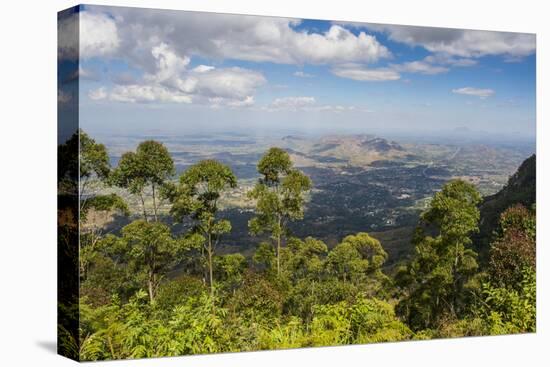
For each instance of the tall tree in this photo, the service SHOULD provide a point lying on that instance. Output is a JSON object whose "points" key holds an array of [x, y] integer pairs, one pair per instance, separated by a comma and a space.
{"points": [[152, 251], [94, 173], [443, 263], [149, 167], [94, 168], [279, 196], [197, 197]]}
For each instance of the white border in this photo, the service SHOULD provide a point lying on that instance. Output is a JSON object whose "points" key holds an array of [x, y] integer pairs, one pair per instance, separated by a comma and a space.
{"points": [[28, 183]]}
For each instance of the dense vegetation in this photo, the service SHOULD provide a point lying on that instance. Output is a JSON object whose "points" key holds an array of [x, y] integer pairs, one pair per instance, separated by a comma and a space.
{"points": [[520, 189], [146, 292]]}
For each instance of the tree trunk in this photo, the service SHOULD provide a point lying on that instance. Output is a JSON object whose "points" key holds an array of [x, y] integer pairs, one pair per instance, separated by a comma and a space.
{"points": [[456, 254], [204, 270], [454, 305], [211, 278], [81, 194], [143, 206], [279, 229], [154, 204], [278, 255], [151, 283]]}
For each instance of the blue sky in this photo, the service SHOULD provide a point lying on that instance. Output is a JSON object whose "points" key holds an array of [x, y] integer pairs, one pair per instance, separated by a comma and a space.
{"points": [[184, 71]]}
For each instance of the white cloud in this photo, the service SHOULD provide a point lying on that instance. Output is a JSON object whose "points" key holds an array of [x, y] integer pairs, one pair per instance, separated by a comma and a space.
{"points": [[461, 42], [340, 108], [449, 60], [420, 67], [97, 94], [292, 103], [247, 101], [203, 68], [306, 103], [98, 35], [250, 38], [477, 92], [430, 65], [301, 74], [362, 73], [169, 65], [336, 45], [173, 82], [146, 94], [231, 83]]}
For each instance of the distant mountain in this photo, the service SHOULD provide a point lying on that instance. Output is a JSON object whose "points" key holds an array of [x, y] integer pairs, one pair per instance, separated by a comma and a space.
{"points": [[520, 189], [357, 149], [292, 137], [381, 145]]}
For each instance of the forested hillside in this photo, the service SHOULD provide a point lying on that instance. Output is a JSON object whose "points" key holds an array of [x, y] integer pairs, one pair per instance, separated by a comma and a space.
{"points": [[146, 291], [520, 189]]}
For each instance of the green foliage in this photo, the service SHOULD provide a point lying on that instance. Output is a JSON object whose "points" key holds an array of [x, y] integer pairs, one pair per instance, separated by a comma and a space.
{"points": [[279, 197], [229, 270], [434, 280], [510, 295], [509, 310], [520, 189], [152, 251], [258, 301], [364, 321], [198, 327], [135, 330], [304, 259], [93, 158], [273, 165], [283, 335], [461, 328], [176, 291], [357, 257], [107, 277], [264, 258], [196, 197], [108, 202], [94, 164], [147, 293], [150, 166], [198, 193], [514, 247], [346, 262], [454, 212], [517, 218]]}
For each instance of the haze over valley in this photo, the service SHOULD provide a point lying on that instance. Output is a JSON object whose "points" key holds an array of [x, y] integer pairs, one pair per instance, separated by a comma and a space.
{"points": [[361, 182]]}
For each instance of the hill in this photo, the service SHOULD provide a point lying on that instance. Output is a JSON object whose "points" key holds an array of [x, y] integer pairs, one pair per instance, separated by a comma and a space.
{"points": [[357, 150], [520, 189]]}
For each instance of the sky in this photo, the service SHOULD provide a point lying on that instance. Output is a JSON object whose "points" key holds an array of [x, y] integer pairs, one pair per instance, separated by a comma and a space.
{"points": [[177, 71]]}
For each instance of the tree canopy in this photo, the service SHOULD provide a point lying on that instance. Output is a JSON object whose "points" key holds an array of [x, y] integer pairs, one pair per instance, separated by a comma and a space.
{"points": [[279, 197], [197, 197], [149, 167], [172, 286]]}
